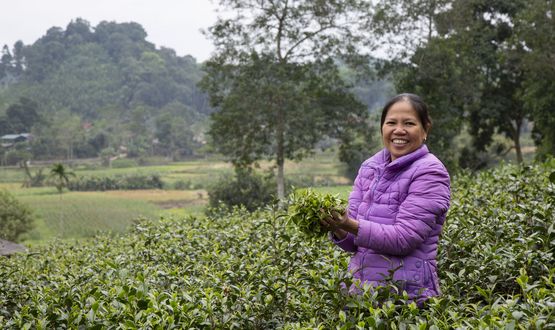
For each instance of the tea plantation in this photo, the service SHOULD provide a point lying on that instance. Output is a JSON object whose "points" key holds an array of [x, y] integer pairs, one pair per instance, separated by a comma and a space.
{"points": [[254, 271]]}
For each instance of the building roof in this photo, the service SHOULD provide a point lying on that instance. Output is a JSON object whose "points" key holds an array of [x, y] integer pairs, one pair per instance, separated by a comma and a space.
{"points": [[15, 136], [7, 248]]}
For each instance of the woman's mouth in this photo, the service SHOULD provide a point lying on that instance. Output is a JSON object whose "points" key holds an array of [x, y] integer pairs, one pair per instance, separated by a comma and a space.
{"points": [[399, 141]]}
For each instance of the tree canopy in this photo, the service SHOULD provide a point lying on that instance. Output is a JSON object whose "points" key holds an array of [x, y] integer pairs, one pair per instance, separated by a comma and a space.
{"points": [[478, 67], [275, 81], [98, 79]]}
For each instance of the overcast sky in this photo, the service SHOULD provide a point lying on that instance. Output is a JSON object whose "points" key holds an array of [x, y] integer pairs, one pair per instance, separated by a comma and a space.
{"points": [[169, 23]]}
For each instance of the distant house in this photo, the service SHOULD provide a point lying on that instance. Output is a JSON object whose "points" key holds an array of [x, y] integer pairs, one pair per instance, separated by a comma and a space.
{"points": [[9, 140]]}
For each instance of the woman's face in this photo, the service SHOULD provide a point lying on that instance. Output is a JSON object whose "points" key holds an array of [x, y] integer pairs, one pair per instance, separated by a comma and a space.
{"points": [[402, 131]]}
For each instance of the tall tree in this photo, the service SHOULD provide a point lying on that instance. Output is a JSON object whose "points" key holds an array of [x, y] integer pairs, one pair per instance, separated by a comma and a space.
{"points": [[275, 80], [536, 29], [19, 57], [484, 32], [424, 63], [433, 73], [470, 66]]}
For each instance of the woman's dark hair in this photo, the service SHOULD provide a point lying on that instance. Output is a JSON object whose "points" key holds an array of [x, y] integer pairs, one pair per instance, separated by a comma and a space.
{"points": [[417, 104]]}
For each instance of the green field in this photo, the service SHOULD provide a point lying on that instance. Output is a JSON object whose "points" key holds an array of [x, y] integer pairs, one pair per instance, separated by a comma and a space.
{"points": [[75, 215]]}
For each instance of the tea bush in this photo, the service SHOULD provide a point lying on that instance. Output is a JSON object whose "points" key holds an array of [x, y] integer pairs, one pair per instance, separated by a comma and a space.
{"points": [[255, 270]]}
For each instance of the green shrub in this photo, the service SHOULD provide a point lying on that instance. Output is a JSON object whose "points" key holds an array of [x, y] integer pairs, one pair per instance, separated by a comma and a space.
{"points": [[118, 182], [15, 217], [135, 182], [124, 163], [181, 185], [187, 185], [245, 188]]}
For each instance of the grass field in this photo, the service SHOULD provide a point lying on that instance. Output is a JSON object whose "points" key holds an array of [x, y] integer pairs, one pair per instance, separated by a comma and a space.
{"points": [[81, 214], [78, 215], [342, 191]]}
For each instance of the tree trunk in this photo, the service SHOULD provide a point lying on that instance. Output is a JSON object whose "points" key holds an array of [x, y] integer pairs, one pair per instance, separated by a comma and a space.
{"points": [[280, 152], [280, 160], [280, 181], [516, 141]]}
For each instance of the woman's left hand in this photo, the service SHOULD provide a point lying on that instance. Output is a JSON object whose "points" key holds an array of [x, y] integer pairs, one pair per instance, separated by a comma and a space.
{"points": [[336, 221], [339, 222]]}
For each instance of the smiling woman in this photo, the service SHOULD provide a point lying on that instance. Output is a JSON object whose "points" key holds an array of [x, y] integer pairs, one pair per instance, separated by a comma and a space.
{"points": [[397, 207], [405, 124]]}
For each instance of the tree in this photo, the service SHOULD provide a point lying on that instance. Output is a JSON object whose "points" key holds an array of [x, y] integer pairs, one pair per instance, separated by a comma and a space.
{"points": [[61, 176], [274, 77], [406, 25], [434, 75], [68, 132], [535, 26], [469, 66], [97, 76], [484, 32], [423, 63], [174, 136], [19, 57], [5, 61], [22, 116]]}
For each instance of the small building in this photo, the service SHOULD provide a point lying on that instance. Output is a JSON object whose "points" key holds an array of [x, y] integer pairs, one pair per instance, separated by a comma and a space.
{"points": [[9, 140]]}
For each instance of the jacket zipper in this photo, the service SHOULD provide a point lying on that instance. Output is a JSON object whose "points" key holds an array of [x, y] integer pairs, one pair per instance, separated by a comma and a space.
{"points": [[374, 191], [371, 207]]}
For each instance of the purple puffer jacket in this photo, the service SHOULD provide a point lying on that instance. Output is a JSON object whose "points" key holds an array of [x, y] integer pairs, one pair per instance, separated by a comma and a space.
{"points": [[401, 207]]}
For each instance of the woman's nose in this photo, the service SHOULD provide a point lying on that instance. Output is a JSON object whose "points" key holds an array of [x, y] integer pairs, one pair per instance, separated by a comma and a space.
{"points": [[399, 130]]}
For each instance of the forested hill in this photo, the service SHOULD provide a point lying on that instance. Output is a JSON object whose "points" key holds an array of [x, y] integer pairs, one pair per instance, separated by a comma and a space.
{"points": [[108, 78]]}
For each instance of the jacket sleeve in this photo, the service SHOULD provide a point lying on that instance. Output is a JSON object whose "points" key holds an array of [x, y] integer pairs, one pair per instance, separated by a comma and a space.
{"points": [[347, 243], [426, 202], [355, 198]]}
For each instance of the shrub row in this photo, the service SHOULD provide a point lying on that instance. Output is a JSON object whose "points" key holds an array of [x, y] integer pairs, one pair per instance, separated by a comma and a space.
{"points": [[127, 182], [248, 270]]}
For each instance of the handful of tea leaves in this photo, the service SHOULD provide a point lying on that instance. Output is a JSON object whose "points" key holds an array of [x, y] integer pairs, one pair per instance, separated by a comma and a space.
{"points": [[305, 210]]}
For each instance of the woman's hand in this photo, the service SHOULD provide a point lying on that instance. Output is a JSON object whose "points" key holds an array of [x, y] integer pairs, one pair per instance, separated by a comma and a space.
{"points": [[336, 221], [339, 224]]}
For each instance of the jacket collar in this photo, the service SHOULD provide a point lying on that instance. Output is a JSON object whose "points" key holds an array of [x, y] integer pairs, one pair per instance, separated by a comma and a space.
{"points": [[403, 160]]}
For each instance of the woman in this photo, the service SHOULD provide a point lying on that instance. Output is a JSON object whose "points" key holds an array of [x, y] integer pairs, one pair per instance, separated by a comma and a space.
{"points": [[398, 205]]}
